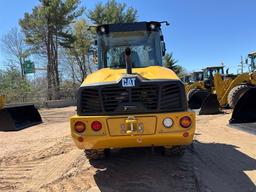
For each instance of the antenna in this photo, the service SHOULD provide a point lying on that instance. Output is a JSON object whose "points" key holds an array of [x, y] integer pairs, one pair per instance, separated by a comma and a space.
{"points": [[241, 66]]}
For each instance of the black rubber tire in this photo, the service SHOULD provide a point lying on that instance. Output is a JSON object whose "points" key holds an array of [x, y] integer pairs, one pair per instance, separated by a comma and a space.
{"points": [[236, 93], [191, 92], [93, 154], [176, 151]]}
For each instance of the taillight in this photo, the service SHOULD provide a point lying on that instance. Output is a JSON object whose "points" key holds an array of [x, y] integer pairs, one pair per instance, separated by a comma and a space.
{"points": [[167, 122], [96, 126], [79, 127], [185, 122]]}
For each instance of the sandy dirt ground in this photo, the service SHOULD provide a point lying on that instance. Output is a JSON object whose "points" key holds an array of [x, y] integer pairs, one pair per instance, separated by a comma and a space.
{"points": [[44, 158]]}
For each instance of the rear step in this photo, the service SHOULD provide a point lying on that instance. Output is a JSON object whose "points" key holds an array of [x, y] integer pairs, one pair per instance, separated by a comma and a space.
{"points": [[19, 117]]}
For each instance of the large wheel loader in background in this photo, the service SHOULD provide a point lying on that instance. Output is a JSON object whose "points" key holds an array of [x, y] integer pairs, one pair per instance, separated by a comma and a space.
{"points": [[193, 81], [17, 117], [201, 95], [227, 90], [243, 95], [132, 100]]}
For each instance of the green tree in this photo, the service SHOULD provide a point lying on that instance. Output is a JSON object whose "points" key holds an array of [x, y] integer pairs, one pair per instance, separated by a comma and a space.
{"points": [[77, 55], [14, 86], [112, 12], [171, 63], [15, 48], [47, 28]]}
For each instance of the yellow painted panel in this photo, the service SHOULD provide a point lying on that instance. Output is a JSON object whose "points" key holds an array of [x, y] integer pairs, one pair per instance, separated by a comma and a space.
{"points": [[2, 101], [161, 137], [141, 126], [113, 75]]}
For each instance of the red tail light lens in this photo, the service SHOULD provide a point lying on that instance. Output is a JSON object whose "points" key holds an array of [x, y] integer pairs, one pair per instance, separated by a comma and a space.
{"points": [[96, 126], [185, 122], [79, 127]]}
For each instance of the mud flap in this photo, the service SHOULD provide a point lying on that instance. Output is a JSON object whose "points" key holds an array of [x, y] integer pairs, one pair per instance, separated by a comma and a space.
{"points": [[206, 102], [245, 109], [19, 117]]}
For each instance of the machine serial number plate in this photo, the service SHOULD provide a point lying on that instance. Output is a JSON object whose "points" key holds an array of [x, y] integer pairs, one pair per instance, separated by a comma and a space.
{"points": [[129, 82]]}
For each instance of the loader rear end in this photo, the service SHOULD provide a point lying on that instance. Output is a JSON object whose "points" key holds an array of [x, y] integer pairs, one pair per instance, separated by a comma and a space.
{"points": [[131, 101]]}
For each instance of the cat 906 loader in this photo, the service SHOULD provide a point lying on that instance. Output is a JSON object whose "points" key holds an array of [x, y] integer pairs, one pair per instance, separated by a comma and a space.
{"points": [[132, 100], [17, 117]]}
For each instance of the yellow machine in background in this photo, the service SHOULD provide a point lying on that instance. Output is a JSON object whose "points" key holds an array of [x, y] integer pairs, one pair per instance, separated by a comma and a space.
{"points": [[131, 101], [230, 91], [243, 93], [226, 90], [200, 93], [193, 81], [2, 101]]}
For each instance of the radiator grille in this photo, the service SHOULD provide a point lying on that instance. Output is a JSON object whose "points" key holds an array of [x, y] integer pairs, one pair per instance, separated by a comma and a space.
{"points": [[145, 98], [170, 98], [147, 95], [90, 101], [113, 97]]}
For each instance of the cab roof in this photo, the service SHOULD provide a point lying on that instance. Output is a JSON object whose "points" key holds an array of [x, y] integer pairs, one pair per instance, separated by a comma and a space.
{"points": [[252, 54], [125, 27], [197, 72], [214, 67]]}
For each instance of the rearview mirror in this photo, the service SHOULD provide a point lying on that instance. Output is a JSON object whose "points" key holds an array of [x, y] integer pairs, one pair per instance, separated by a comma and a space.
{"points": [[163, 48]]}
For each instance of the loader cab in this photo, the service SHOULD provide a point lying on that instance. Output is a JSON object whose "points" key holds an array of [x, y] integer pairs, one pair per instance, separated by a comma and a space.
{"points": [[252, 64], [197, 76], [143, 40], [208, 75], [186, 78], [193, 77]]}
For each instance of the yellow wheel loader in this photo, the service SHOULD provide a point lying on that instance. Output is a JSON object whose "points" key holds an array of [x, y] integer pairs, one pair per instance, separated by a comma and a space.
{"points": [[227, 90], [193, 81], [14, 118], [201, 94], [132, 100], [242, 94]]}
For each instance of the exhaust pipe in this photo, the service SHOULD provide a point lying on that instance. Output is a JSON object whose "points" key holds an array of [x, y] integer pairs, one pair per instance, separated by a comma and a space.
{"points": [[128, 60]]}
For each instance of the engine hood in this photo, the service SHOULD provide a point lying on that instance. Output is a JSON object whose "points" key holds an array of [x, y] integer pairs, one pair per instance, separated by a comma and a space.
{"points": [[107, 75]]}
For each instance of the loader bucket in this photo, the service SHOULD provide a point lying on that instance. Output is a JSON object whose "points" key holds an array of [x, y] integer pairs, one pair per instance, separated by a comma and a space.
{"points": [[196, 100], [206, 102], [210, 105], [245, 109], [19, 117]]}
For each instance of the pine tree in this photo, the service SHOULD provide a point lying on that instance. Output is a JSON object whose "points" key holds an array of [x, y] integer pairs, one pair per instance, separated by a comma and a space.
{"points": [[112, 12], [47, 28]]}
